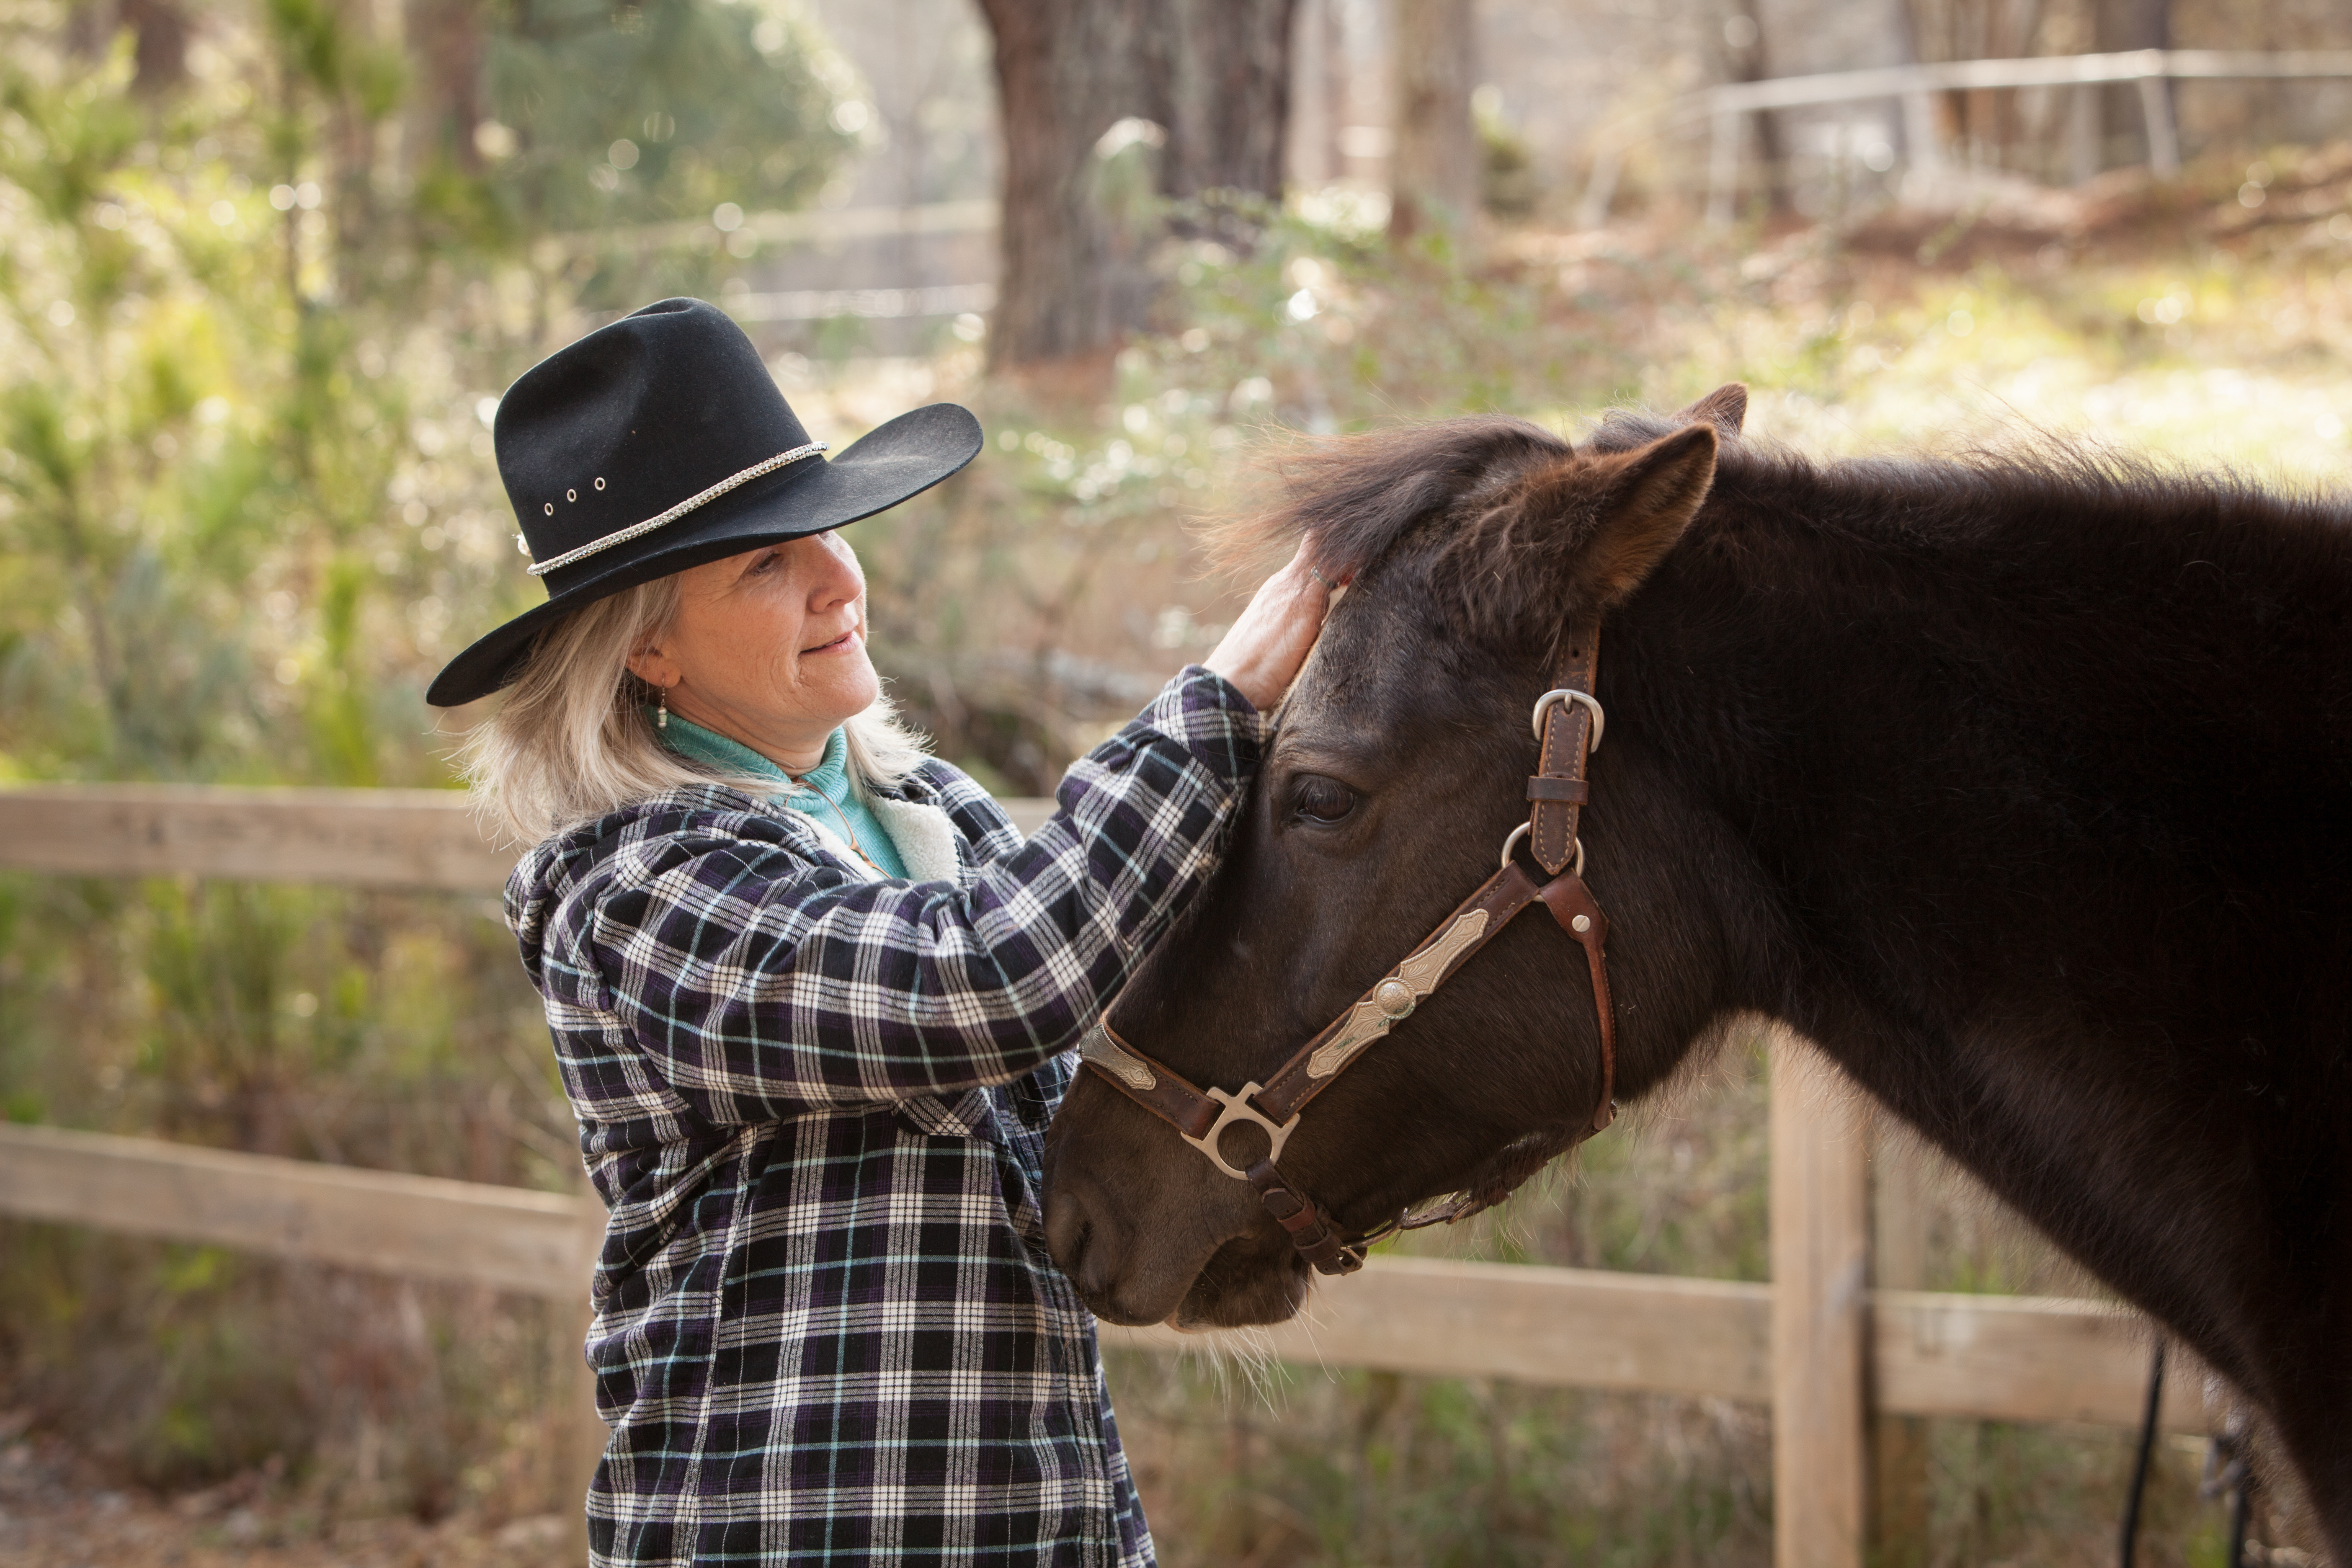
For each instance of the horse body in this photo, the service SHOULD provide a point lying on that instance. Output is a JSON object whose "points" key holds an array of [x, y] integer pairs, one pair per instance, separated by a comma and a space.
{"points": [[2022, 788]]}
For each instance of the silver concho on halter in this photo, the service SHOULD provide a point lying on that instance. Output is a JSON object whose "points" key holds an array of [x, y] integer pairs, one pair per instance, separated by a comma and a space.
{"points": [[1394, 998], [1100, 1048]]}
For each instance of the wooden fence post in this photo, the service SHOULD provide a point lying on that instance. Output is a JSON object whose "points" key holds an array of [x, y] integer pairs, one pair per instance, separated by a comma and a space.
{"points": [[1922, 147], [2086, 138], [2163, 135], [1723, 167], [580, 1432], [1899, 1497], [1821, 1229]]}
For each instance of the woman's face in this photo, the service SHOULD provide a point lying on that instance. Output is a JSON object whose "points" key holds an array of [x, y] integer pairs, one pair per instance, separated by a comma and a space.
{"points": [[769, 647]]}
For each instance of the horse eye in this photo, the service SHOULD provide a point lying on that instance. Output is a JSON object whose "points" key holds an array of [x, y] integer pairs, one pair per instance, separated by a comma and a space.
{"points": [[1318, 799]]}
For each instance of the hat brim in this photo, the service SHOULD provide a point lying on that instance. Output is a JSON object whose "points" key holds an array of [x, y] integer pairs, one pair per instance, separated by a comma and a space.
{"points": [[892, 463]]}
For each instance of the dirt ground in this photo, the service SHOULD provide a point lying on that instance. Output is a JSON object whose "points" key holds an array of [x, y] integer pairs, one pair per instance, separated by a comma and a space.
{"points": [[58, 1512]]}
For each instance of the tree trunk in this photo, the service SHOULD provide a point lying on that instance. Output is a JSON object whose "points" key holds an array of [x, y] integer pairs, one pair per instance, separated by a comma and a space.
{"points": [[2119, 25], [159, 39], [1433, 171], [1228, 95], [160, 50], [1752, 62], [1065, 74], [446, 36], [1213, 74]]}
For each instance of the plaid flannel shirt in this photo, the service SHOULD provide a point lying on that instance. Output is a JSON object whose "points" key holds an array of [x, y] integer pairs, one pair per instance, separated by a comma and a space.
{"points": [[826, 1326]]}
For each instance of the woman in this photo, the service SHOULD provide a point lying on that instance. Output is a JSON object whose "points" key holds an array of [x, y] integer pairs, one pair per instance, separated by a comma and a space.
{"points": [[810, 991]]}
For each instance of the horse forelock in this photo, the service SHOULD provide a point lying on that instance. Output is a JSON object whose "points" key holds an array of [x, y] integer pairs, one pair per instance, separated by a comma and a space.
{"points": [[1356, 498]]}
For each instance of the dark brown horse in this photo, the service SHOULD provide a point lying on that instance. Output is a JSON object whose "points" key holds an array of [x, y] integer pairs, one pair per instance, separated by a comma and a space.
{"points": [[2022, 786]]}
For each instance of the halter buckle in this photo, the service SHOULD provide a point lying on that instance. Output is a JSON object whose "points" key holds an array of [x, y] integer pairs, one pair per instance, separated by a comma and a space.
{"points": [[1584, 700], [1238, 1109]]}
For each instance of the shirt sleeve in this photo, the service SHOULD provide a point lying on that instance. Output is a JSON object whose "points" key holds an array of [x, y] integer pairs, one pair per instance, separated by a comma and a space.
{"points": [[763, 987]]}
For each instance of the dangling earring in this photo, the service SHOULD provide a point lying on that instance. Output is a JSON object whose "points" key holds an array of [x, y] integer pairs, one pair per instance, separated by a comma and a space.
{"points": [[661, 709]]}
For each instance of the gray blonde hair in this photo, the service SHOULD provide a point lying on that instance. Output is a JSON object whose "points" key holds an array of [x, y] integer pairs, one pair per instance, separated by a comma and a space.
{"points": [[571, 743]]}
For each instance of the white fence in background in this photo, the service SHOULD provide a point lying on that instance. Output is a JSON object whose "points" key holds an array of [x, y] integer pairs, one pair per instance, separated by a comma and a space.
{"points": [[1726, 107]]}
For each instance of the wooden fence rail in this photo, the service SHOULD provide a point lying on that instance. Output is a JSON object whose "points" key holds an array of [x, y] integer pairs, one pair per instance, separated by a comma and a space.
{"points": [[1825, 1350], [1990, 1357], [421, 839]]}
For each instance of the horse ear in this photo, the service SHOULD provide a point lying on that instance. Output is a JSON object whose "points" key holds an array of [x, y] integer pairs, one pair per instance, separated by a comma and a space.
{"points": [[1647, 497], [1726, 409]]}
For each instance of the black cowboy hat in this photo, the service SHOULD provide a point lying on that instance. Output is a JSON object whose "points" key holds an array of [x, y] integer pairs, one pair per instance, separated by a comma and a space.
{"points": [[660, 442]]}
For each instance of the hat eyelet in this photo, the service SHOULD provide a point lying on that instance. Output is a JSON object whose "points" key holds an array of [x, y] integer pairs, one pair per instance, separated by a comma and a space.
{"points": [[570, 495], [600, 481], [550, 508]]}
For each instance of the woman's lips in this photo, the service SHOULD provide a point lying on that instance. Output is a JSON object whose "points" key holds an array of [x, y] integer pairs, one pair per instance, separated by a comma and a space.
{"points": [[845, 640]]}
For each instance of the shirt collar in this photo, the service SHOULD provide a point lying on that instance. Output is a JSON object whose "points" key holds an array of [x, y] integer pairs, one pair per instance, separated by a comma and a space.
{"points": [[829, 778]]}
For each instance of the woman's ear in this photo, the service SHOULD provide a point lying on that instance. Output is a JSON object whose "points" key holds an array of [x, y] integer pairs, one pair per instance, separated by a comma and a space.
{"points": [[653, 664]]}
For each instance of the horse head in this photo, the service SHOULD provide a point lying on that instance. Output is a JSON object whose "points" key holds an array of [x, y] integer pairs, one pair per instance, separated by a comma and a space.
{"points": [[1394, 772]]}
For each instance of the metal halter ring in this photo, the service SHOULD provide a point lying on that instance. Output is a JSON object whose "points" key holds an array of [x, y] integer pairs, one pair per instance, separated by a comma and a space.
{"points": [[1584, 700], [1521, 831], [1237, 1108]]}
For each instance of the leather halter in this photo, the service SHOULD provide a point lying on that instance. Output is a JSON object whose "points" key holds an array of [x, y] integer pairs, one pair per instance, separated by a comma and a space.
{"points": [[1569, 724]]}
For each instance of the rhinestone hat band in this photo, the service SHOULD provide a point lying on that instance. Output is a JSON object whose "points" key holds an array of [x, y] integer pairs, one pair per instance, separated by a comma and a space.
{"points": [[639, 530]]}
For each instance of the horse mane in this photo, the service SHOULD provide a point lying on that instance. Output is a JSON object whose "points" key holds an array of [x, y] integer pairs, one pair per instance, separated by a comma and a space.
{"points": [[1358, 497]]}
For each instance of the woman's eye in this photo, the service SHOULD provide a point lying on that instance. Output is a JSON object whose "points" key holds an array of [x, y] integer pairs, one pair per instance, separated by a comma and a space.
{"points": [[1318, 799]]}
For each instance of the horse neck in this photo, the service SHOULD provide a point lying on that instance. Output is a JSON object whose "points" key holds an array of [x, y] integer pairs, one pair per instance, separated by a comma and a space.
{"points": [[1929, 718]]}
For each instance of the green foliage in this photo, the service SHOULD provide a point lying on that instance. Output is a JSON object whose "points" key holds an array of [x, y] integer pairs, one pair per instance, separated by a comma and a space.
{"points": [[241, 377], [661, 110], [1507, 165], [247, 334], [1373, 1468], [181, 1366]]}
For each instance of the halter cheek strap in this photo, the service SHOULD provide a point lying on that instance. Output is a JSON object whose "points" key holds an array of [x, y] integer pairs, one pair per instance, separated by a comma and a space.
{"points": [[1567, 725]]}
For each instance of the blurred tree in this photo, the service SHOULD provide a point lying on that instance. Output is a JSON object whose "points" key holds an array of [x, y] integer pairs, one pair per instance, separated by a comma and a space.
{"points": [[1984, 122], [160, 27], [1206, 82], [247, 321], [1747, 58], [445, 113], [2119, 24], [1222, 73], [1066, 71], [655, 111], [159, 32], [1433, 169]]}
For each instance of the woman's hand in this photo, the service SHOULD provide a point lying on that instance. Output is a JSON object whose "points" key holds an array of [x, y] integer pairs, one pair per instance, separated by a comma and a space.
{"points": [[1261, 654]]}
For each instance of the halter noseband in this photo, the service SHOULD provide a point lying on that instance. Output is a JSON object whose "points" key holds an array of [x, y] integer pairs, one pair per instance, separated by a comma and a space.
{"points": [[1567, 722]]}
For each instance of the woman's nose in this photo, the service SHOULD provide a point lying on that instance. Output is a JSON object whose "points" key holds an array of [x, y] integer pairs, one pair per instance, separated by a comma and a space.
{"points": [[837, 578]]}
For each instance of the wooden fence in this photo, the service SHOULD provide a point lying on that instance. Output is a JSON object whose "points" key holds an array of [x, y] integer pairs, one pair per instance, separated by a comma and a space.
{"points": [[1825, 1350]]}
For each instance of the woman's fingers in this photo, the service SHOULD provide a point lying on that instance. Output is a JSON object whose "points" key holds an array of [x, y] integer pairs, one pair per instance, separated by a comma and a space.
{"points": [[1261, 654]]}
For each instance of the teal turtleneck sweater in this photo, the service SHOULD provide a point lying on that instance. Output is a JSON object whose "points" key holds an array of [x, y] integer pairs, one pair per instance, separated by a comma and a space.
{"points": [[823, 794]]}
